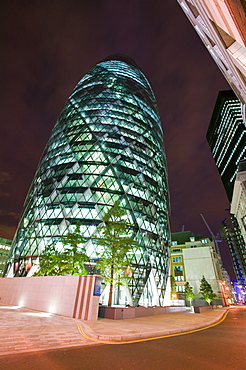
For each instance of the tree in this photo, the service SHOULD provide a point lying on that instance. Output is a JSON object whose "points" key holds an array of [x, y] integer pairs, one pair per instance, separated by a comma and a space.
{"points": [[114, 247], [71, 260], [206, 291], [173, 286], [189, 294], [50, 262], [74, 254]]}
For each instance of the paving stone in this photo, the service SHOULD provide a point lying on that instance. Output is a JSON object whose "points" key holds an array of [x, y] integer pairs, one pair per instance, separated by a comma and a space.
{"points": [[24, 330]]}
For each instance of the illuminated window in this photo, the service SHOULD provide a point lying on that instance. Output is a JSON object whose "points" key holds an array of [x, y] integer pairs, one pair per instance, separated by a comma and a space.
{"points": [[177, 259], [179, 288], [178, 270]]}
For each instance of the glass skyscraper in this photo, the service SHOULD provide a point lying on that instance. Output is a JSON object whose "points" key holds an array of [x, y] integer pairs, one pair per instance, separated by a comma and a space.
{"points": [[106, 146], [226, 137]]}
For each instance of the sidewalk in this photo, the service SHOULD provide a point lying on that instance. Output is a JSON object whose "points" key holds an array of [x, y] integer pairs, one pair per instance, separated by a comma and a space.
{"points": [[25, 330], [149, 327]]}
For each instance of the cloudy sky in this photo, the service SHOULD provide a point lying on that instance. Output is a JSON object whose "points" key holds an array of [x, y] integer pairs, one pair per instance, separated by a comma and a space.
{"points": [[46, 48]]}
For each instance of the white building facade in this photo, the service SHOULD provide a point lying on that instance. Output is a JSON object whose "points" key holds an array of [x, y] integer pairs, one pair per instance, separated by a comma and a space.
{"points": [[221, 26], [193, 257]]}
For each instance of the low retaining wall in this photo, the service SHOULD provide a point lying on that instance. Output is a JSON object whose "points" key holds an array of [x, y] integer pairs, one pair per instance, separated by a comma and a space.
{"points": [[199, 309], [119, 313], [73, 296]]}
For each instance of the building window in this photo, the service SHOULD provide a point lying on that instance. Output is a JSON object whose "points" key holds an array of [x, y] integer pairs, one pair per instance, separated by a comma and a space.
{"points": [[179, 278], [176, 250], [179, 288], [193, 9], [177, 259], [244, 222], [225, 38], [178, 270]]}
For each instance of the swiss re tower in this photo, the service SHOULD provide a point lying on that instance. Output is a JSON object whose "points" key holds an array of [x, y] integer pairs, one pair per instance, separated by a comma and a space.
{"points": [[106, 146]]}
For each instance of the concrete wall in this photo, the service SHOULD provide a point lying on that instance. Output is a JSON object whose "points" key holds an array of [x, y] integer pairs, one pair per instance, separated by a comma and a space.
{"points": [[73, 296], [119, 313]]}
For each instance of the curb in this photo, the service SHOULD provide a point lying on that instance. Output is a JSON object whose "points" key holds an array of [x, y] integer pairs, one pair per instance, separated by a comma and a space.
{"points": [[90, 334]]}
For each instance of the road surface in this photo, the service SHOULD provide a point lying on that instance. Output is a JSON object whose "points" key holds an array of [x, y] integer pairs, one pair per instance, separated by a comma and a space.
{"points": [[219, 348]]}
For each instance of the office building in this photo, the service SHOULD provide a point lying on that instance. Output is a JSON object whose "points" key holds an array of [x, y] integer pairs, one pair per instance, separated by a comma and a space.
{"points": [[222, 28], [238, 204], [226, 137], [231, 233], [106, 146], [192, 257]]}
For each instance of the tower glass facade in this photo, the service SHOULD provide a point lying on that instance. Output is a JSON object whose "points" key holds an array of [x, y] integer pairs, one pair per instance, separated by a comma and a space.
{"points": [[232, 235], [227, 137], [106, 146]]}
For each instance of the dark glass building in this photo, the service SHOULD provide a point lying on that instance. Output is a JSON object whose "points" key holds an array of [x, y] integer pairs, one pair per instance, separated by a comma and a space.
{"points": [[106, 146], [233, 236], [226, 137]]}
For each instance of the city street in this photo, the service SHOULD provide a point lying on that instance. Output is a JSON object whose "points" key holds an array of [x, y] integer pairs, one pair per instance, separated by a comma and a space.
{"points": [[123, 185], [218, 348]]}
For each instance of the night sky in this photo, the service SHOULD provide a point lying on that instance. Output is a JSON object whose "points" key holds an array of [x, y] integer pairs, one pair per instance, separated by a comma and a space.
{"points": [[48, 46]]}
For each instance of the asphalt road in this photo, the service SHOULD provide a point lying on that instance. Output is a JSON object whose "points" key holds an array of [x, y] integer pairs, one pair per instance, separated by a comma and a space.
{"points": [[219, 348]]}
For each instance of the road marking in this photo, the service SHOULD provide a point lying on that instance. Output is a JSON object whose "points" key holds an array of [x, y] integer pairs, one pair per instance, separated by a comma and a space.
{"points": [[80, 328]]}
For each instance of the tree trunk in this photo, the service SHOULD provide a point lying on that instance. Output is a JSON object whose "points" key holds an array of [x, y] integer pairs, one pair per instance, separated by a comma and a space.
{"points": [[111, 286]]}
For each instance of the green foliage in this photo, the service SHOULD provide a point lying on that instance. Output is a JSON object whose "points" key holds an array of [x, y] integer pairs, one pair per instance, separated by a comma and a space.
{"points": [[189, 294], [114, 248], [206, 291], [173, 284], [74, 254], [50, 262], [71, 261]]}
